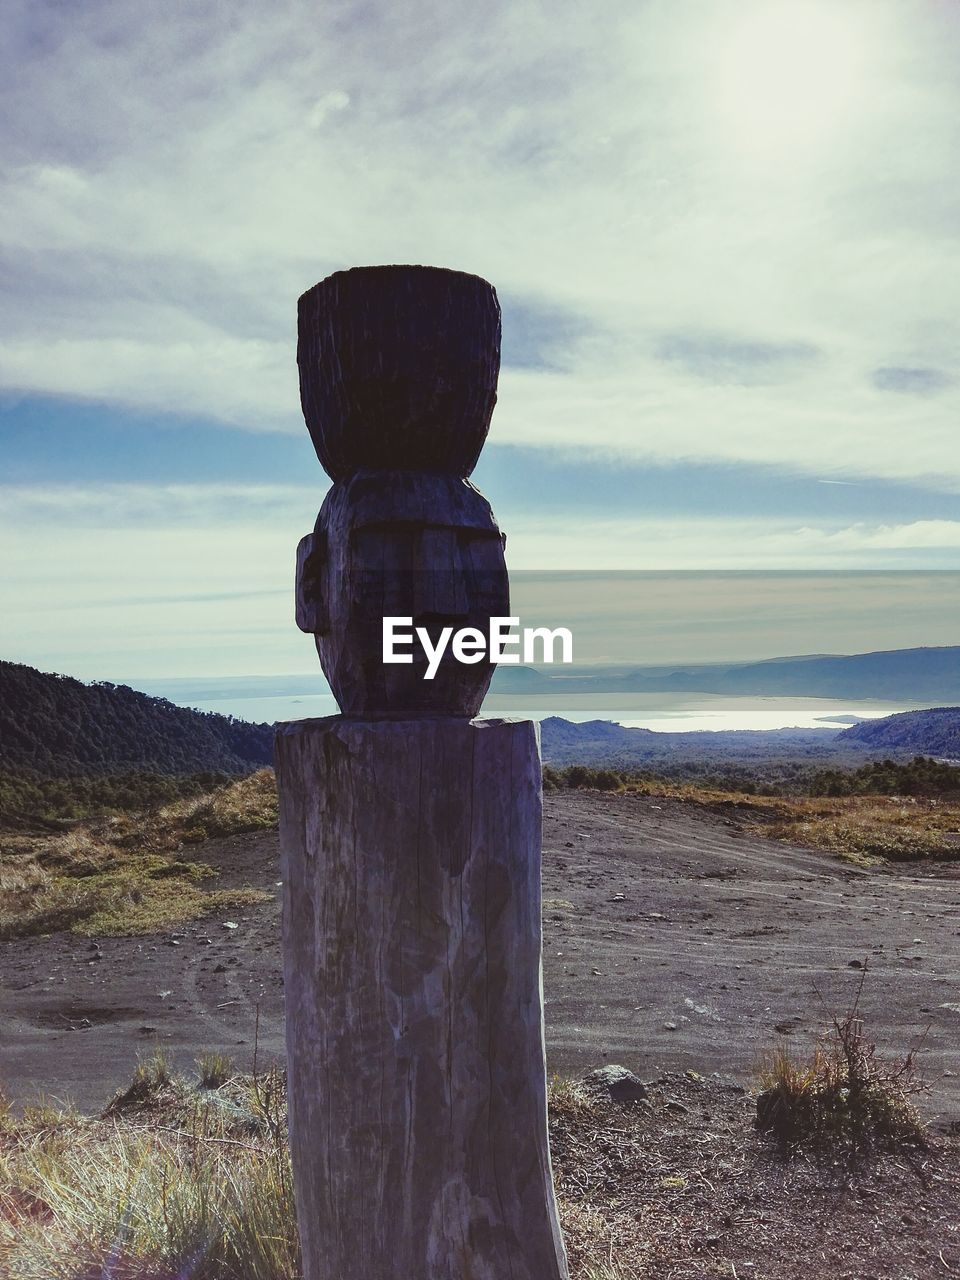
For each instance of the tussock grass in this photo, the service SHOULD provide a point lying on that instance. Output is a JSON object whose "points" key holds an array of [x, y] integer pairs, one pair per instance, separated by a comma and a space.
{"points": [[568, 1100], [843, 1094], [121, 875], [164, 1184], [215, 1070]]}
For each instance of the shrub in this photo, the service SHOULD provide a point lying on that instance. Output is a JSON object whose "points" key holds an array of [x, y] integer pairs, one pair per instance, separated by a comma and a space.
{"points": [[843, 1094]]}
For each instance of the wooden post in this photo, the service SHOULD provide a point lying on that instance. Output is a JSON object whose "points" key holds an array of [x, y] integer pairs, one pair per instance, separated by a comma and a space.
{"points": [[410, 833]]}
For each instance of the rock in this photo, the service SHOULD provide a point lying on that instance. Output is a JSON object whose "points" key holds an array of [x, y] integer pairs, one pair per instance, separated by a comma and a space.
{"points": [[787, 1026], [620, 1082], [669, 1026], [855, 964], [676, 1107]]}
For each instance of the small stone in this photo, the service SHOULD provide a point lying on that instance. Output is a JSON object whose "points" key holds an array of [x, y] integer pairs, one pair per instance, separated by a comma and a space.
{"points": [[669, 1026], [230, 924], [855, 964], [676, 1107], [620, 1082]]}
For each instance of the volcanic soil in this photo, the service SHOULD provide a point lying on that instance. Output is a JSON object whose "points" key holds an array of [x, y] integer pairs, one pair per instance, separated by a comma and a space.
{"points": [[675, 939]]}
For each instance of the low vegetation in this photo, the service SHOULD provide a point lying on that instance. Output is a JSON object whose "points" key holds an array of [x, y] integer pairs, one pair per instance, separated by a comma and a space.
{"points": [[192, 1178], [33, 803], [882, 811], [124, 874], [844, 1095], [174, 1179]]}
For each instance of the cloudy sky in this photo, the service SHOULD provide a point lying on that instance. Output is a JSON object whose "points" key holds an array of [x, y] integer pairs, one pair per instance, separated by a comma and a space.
{"points": [[724, 234]]}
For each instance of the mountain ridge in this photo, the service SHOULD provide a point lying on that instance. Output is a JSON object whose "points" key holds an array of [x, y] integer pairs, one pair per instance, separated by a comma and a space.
{"points": [[53, 725]]}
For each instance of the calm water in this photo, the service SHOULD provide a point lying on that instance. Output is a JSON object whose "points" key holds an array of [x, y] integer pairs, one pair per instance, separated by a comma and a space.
{"points": [[663, 712]]}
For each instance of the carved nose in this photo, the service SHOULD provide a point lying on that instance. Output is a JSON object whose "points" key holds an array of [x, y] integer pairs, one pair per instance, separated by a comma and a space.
{"points": [[439, 581]]}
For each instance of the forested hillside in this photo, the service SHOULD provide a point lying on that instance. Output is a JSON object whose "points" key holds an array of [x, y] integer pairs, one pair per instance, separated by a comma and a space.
{"points": [[934, 733], [55, 727]]}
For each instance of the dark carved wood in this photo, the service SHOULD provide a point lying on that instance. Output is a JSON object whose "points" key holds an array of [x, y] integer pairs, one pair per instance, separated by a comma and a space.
{"points": [[398, 376], [401, 544], [398, 368], [410, 833]]}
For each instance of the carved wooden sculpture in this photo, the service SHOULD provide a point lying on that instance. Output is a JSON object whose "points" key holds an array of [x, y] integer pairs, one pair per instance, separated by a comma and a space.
{"points": [[410, 833]]}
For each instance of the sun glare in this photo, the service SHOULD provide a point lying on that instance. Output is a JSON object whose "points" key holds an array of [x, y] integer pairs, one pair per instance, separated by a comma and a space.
{"points": [[791, 71]]}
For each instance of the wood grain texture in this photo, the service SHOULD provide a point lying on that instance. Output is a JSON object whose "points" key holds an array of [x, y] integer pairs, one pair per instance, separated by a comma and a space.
{"points": [[398, 368], [411, 869]]}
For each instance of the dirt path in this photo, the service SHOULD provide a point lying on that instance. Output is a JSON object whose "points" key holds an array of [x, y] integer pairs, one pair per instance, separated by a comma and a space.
{"points": [[672, 940]]}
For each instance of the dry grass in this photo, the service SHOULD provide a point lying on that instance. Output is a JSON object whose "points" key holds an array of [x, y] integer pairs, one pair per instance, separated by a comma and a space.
{"points": [[843, 1096], [121, 875], [170, 1182], [863, 829], [178, 1180], [866, 828]]}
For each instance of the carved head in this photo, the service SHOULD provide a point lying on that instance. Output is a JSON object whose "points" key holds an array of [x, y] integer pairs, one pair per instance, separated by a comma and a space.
{"points": [[398, 368], [401, 544]]}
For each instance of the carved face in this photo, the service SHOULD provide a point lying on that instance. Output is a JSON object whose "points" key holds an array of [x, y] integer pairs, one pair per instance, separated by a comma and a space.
{"points": [[399, 544]]}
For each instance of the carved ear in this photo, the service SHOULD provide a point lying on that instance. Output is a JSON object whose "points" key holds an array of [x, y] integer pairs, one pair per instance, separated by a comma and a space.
{"points": [[313, 614]]}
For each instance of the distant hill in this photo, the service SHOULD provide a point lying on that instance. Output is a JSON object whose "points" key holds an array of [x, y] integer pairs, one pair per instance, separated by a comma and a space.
{"points": [[602, 742], [932, 733], [897, 675], [55, 726]]}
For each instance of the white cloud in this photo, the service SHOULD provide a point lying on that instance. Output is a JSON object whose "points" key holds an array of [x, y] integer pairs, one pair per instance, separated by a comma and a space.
{"points": [[680, 544], [176, 178], [120, 581]]}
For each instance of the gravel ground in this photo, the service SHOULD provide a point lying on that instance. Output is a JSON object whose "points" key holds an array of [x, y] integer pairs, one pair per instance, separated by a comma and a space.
{"points": [[674, 939]]}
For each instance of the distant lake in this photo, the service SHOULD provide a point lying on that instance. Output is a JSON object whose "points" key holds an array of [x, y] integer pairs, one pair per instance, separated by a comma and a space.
{"points": [[662, 712]]}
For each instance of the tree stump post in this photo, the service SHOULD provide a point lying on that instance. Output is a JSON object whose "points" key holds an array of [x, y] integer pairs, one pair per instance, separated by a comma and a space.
{"points": [[410, 832]]}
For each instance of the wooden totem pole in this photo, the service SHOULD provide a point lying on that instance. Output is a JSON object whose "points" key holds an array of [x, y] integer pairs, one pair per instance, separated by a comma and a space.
{"points": [[410, 832]]}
